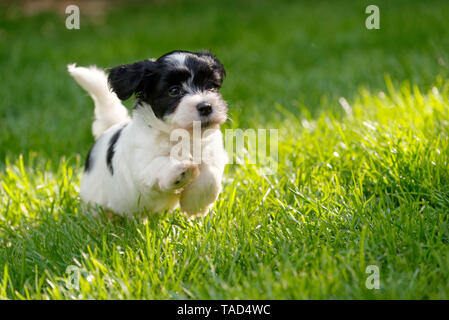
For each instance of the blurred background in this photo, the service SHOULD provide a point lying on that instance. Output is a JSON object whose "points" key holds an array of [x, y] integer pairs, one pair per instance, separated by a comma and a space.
{"points": [[302, 55]]}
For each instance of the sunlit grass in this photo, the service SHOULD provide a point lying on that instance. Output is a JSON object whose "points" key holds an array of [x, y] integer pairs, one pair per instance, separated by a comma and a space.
{"points": [[368, 186]]}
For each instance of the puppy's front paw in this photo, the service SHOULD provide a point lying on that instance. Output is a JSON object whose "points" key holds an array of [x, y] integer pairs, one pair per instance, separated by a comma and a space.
{"points": [[196, 202], [199, 196], [187, 173], [181, 175]]}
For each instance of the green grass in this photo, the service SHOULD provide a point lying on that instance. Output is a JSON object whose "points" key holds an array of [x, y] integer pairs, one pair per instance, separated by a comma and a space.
{"points": [[363, 185]]}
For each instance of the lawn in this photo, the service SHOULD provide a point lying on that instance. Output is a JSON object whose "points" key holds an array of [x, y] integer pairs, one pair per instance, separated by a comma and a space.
{"points": [[363, 155]]}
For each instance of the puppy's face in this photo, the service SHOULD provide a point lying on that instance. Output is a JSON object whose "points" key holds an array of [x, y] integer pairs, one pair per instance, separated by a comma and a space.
{"points": [[181, 87]]}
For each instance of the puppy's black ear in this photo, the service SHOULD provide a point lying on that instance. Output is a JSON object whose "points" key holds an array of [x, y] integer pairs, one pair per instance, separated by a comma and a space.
{"points": [[127, 79], [218, 66], [220, 69]]}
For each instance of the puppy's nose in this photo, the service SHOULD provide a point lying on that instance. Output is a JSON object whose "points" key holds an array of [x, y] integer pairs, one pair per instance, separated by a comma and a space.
{"points": [[204, 109]]}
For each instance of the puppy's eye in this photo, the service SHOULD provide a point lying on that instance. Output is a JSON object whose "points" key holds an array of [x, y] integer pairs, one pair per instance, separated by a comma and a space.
{"points": [[174, 91]]}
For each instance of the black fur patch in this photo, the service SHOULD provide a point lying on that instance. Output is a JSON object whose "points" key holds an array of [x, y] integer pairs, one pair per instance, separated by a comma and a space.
{"points": [[207, 70], [127, 79], [89, 160], [111, 149]]}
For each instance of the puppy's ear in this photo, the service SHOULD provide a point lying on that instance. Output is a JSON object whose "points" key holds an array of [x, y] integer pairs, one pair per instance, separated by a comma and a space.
{"points": [[218, 66], [127, 79]]}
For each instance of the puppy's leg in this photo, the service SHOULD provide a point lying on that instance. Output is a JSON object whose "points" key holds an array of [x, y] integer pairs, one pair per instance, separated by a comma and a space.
{"points": [[199, 196], [169, 174]]}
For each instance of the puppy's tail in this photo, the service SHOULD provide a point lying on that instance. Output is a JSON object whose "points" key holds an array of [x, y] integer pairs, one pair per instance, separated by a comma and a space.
{"points": [[109, 110]]}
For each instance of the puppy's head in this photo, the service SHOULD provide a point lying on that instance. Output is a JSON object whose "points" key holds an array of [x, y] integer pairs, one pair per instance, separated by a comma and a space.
{"points": [[181, 87]]}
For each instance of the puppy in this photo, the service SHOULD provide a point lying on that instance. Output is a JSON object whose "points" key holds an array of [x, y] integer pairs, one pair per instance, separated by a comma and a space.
{"points": [[131, 167]]}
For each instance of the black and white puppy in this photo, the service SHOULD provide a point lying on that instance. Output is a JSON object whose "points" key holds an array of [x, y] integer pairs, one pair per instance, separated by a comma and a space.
{"points": [[131, 167]]}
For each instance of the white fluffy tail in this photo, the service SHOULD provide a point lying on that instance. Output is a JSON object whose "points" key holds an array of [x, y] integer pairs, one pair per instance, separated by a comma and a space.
{"points": [[109, 110]]}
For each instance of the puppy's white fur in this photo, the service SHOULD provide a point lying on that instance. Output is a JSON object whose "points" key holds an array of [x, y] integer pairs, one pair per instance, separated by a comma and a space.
{"points": [[146, 177]]}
